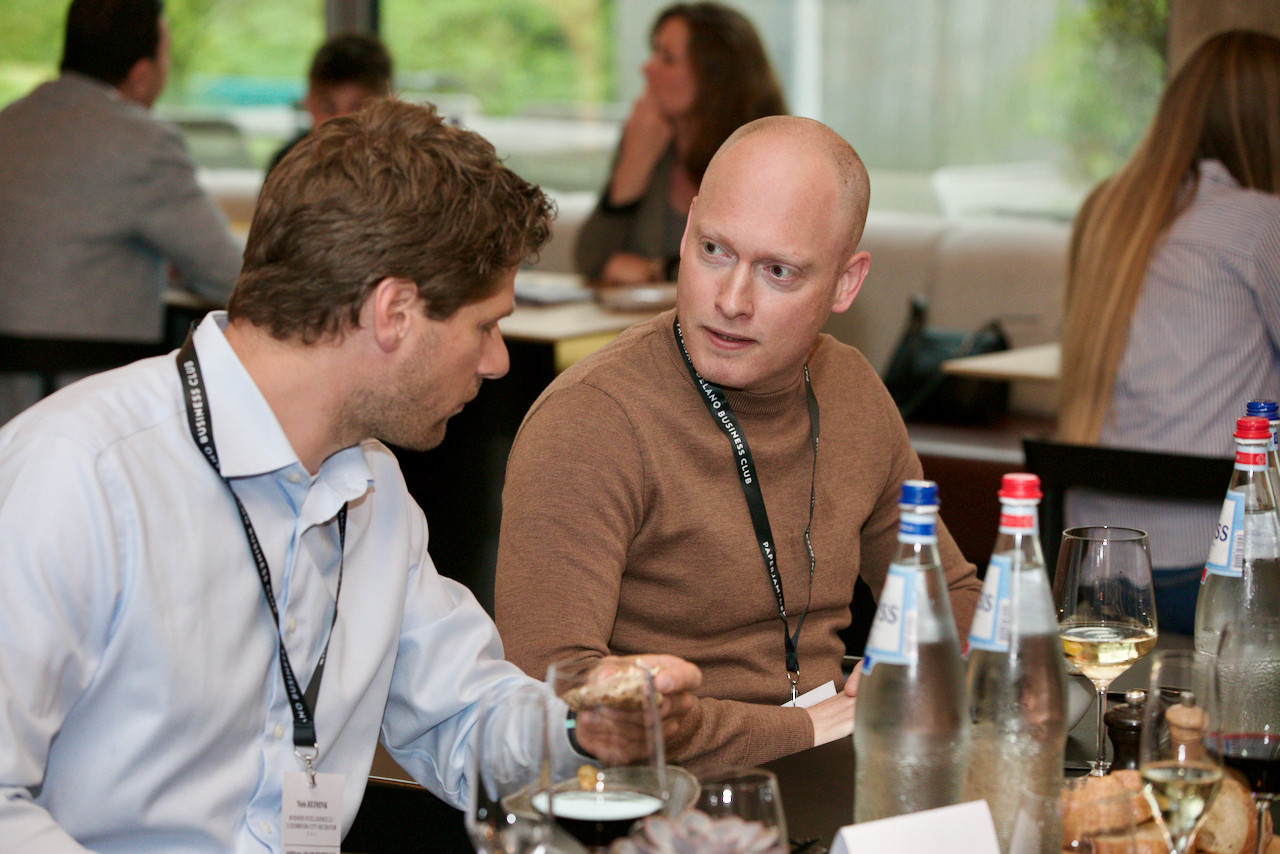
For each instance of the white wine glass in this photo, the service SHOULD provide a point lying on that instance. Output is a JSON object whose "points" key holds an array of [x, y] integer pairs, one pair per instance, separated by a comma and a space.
{"points": [[1181, 769], [1106, 608], [1247, 689], [745, 803], [615, 722], [510, 757]]}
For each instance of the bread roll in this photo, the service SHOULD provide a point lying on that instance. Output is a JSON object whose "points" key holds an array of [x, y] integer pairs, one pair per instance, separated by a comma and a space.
{"points": [[1231, 826]]}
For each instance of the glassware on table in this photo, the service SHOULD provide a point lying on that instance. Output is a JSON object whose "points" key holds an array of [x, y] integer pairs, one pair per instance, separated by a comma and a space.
{"points": [[1096, 820], [746, 802], [1181, 770], [614, 710], [1247, 689], [1106, 608], [510, 756]]}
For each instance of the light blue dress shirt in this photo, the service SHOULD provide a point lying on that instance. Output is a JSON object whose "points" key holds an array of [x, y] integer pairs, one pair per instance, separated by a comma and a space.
{"points": [[141, 702]]}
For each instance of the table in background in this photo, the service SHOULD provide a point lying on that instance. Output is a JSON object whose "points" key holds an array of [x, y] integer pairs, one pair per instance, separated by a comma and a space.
{"points": [[1041, 362]]}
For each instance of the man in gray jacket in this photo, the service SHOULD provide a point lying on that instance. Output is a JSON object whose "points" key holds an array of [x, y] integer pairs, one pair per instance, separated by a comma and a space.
{"points": [[99, 198]]}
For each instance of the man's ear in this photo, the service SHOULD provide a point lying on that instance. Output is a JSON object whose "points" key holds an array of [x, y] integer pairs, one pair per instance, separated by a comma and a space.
{"points": [[687, 221], [138, 84], [850, 281], [391, 309]]}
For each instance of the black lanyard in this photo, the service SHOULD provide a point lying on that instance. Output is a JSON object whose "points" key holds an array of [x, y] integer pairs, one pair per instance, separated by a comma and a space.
{"points": [[722, 413], [305, 744]]}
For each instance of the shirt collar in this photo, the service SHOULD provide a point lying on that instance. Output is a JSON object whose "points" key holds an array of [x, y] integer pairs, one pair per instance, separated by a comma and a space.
{"points": [[250, 440]]}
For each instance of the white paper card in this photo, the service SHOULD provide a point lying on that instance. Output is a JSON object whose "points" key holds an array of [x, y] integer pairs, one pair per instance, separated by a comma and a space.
{"points": [[824, 691], [311, 819], [959, 829]]}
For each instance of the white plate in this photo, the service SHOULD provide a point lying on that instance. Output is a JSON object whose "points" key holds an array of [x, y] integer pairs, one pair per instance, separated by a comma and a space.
{"points": [[637, 297]]}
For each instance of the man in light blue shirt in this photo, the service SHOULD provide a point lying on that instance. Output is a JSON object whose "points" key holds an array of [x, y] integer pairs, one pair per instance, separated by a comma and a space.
{"points": [[148, 700]]}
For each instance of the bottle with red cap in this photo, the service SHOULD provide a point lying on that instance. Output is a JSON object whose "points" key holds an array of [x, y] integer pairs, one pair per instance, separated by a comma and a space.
{"points": [[1017, 681], [1242, 572]]}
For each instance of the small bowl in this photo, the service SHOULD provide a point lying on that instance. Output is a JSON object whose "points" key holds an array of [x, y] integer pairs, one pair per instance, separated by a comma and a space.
{"points": [[681, 784]]}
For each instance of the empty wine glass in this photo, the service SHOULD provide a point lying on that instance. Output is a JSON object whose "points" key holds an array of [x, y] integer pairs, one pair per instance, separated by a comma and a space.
{"points": [[745, 803], [1181, 772], [1247, 686], [615, 718], [1106, 608], [509, 757]]}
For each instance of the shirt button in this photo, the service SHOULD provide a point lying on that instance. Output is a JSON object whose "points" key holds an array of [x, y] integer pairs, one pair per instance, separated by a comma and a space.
{"points": [[294, 477], [292, 625], [265, 827], [279, 733]]}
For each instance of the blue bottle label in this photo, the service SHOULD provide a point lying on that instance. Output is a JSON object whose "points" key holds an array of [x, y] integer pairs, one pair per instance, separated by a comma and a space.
{"points": [[990, 629], [1226, 550], [892, 639]]}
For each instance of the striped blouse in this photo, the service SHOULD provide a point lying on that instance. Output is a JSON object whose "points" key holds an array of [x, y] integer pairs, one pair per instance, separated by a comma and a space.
{"points": [[1205, 338]]}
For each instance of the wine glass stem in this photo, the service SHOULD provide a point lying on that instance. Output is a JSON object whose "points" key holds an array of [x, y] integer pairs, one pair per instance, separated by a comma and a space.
{"points": [[1100, 766]]}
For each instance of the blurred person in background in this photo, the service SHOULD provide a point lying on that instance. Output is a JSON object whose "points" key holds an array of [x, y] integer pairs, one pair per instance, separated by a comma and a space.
{"points": [[1172, 317], [347, 70], [708, 75], [100, 198]]}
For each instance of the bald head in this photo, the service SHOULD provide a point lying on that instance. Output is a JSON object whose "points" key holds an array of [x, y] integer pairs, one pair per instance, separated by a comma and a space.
{"points": [[793, 137]]}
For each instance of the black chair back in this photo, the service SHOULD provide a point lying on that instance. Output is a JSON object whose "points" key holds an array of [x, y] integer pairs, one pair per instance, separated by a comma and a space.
{"points": [[50, 357], [1144, 474]]}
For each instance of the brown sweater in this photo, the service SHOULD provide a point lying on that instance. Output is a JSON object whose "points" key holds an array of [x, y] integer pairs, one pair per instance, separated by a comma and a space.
{"points": [[625, 530]]}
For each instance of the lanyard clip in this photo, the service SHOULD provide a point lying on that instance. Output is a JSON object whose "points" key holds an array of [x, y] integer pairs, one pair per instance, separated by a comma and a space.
{"points": [[307, 755], [794, 677]]}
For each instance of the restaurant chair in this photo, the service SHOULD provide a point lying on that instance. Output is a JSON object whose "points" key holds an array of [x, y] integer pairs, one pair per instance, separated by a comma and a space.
{"points": [[51, 357], [401, 817], [1140, 474]]}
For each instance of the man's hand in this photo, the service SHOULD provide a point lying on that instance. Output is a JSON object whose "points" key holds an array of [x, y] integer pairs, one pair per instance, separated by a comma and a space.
{"points": [[617, 736], [833, 717]]}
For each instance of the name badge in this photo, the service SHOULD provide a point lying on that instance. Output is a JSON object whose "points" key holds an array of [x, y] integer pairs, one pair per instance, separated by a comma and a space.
{"points": [[311, 818]]}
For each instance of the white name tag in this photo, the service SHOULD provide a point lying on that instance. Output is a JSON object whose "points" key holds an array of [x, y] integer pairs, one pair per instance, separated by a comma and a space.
{"points": [[311, 819], [812, 698]]}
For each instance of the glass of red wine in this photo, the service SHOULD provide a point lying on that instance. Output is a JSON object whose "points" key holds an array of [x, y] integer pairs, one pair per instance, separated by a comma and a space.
{"points": [[1247, 682]]}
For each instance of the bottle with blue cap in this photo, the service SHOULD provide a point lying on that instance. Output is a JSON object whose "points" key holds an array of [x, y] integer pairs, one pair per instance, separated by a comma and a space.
{"points": [[1269, 410], [1017, 682], [910, 735], [1242, 572]]}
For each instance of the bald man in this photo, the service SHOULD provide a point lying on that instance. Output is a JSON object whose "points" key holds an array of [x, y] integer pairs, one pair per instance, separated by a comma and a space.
{"points": [[671, 491]]}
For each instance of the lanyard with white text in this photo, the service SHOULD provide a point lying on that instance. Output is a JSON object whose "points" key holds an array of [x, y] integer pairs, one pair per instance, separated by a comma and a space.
{"points": [[199, 419], [722, 414]]}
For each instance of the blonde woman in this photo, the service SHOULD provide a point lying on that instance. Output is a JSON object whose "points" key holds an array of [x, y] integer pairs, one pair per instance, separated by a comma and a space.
{"points": [[1173, 296]]}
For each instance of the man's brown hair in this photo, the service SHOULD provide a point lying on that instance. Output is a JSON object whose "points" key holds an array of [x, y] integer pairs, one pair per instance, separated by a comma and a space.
{"points": [[390, 191]]}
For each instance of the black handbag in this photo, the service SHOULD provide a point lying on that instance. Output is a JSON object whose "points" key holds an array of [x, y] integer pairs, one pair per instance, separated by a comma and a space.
{"points": [[920, 388]]}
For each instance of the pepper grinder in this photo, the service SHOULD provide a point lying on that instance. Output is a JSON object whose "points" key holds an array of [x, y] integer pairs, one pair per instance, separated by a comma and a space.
{"points": [[1124, 728]]}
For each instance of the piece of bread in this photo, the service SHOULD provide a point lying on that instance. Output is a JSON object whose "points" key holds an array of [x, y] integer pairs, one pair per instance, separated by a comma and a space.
{"points": [[1231, 826], [622, 688]]}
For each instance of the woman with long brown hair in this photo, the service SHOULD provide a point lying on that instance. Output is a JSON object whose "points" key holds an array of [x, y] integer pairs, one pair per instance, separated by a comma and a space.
{"points": [[708, 74], [1172, 315]]}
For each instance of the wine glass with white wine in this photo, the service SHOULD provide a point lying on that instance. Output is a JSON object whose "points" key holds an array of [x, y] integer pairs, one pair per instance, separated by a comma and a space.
{"points": [[1178, 750], [1106, 608]]}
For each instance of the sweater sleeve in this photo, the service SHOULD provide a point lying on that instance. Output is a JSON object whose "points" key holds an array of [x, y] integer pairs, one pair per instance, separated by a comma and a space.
{"points": [[880, 531], [572, 503]]}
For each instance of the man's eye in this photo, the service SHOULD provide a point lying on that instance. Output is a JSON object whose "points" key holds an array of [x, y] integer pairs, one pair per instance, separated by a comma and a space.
{"points": [[779, 271], [710, 248]]}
